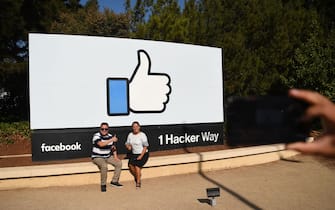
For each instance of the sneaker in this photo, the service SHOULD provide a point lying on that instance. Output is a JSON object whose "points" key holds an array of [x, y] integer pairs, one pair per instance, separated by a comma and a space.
{"points": [[103, 188], [116, 184]]}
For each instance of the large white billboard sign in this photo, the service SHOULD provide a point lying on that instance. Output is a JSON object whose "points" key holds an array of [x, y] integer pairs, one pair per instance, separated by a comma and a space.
{"points": [[68, 77], [77, 82]]}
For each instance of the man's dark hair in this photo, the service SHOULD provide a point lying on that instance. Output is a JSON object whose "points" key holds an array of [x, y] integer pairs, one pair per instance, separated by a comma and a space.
{"points": [[104, 123]]}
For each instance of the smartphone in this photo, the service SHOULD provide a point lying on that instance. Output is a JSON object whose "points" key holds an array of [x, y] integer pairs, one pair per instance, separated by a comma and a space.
{"points": [[257, 120]]}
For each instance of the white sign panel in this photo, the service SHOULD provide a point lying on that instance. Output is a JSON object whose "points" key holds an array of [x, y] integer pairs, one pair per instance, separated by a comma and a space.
{"points": [[81, 81]]}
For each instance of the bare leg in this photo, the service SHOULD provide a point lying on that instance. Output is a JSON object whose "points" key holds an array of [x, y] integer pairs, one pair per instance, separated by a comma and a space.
{"points": [[138, 176], [132, 170]]}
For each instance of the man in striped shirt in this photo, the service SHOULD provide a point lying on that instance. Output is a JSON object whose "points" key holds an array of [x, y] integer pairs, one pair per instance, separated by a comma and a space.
{"points": [[103, 153]]}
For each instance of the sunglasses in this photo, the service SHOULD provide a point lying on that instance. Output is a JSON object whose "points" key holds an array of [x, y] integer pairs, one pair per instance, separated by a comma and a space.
{"points": [[104, 129]]}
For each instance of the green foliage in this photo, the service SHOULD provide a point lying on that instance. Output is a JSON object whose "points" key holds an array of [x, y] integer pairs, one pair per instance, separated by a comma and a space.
{"points": [[54, 16], [269, 46], [38, 15], [260, 39], [313, 63], [88, 20], [11, 29], [8, 131], [13, 80], [165, 23]]}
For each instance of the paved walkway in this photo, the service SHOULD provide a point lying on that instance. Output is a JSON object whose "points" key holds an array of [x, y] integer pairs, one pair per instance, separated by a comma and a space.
{"points": [[301, 182]]}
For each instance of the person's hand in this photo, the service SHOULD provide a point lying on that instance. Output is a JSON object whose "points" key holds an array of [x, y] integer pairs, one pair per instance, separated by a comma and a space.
{"points": [[322, 107], [139, 157], [114, 138], [128, 146]]}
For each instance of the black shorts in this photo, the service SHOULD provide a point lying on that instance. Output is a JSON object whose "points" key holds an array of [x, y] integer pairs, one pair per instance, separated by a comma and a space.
{"points": [[140, 163]]}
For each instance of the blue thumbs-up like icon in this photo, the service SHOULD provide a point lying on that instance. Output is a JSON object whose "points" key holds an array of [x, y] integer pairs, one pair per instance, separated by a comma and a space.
{"points": [[146, 92]]}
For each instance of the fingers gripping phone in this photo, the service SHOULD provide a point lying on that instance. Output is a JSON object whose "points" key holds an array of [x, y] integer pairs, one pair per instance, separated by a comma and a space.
{"points": [[256, 120]]}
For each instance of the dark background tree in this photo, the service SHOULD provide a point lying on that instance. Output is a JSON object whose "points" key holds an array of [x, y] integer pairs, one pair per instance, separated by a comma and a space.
{"points": [[269, 46]]}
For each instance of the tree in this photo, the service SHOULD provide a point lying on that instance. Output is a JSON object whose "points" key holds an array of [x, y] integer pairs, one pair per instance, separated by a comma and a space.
{"points": [[260, 38], [325, 9], [13, 68], [269, 46], [164, 23], [11, 30], [211, 22], [14, 86], [314, 63], [89, 20], [191, 14]]}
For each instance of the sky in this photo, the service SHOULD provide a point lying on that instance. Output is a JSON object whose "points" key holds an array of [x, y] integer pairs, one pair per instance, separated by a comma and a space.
{"points": [[117, 5]]}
